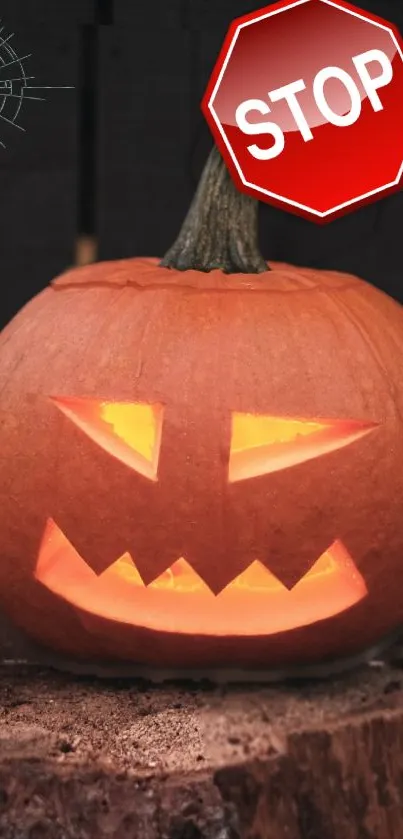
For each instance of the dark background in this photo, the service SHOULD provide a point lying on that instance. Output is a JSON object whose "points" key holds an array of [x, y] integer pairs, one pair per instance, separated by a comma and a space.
{"points": [[117, 158]]}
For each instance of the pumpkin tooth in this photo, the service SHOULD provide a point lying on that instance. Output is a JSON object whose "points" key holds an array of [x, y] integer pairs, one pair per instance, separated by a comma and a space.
{"points": [[59, 564], [255, 578], [123, 568], [334, 561], [180, 576]]}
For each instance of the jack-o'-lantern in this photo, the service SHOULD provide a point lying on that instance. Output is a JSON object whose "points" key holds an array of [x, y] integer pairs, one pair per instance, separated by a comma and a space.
{"points": [[202, 459]]}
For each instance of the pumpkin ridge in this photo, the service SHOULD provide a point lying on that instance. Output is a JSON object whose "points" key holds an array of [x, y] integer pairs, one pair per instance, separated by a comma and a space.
{"points": [[177, 287]]}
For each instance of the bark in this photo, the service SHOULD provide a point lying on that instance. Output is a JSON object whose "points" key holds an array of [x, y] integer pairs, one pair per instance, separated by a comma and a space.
{"points": [[121, 759]]}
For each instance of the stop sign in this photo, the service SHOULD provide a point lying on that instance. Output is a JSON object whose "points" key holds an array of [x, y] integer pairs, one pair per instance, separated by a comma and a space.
{"points": [[305, 103]]}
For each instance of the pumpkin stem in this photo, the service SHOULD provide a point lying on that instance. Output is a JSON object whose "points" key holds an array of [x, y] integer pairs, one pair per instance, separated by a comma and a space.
{"points": [[220, 229]]}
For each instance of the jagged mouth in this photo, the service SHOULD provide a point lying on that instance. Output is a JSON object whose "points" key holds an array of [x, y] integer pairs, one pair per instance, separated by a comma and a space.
{"points": [[179, 601]]}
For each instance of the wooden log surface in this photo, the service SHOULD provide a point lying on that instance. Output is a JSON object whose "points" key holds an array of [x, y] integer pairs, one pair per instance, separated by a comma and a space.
{"points": [[82, 758]]}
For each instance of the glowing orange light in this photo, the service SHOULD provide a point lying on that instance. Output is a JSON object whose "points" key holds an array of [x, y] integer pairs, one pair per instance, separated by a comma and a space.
{"points": [[254, 603], [264, 444], [260, 444], [130, 432]]}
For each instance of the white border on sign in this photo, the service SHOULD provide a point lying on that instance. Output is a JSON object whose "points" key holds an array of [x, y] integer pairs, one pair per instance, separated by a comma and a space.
{"points": [[224, 136]]}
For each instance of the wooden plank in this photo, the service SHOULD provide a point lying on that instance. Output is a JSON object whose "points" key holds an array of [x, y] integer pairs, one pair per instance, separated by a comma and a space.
{"points": [[204, 14], [19, 13], [38, 167], [216, 17], [384, 254], [388, 9], [144, 100], [346, 244], [158, 15], [204, 49]]}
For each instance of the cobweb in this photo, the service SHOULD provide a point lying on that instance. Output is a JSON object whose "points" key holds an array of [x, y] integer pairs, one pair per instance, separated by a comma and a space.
{"points": [[15, 85]]}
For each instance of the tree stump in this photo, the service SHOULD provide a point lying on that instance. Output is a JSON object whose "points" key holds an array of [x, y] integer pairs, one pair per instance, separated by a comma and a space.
{"points": [[82, 758]]}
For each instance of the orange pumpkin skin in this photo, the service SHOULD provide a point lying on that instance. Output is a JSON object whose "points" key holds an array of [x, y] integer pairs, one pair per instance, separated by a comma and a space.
{"points": [[292, 343]]}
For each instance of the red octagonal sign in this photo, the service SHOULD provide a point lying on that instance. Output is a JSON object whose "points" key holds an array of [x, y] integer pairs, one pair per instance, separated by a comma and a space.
{"points": [[306, 105]]}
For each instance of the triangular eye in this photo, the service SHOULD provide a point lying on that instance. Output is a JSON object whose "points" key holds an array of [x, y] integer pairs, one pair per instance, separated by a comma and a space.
{"points": [[263, 444], [129, 431]]}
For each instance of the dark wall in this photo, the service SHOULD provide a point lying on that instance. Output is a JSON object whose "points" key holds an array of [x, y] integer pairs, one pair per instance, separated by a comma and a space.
{"points": [[118, 157]]}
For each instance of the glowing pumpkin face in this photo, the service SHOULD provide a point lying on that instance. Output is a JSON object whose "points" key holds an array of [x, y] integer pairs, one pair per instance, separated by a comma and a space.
{"points": [[202, 469], [179, 599]]}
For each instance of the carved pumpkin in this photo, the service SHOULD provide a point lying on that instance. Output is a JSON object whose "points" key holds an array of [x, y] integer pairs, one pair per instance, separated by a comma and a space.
{"points": [[202, 460]]}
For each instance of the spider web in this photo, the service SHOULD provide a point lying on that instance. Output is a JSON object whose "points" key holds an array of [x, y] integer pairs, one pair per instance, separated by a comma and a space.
{"points": [[15, 85]]}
